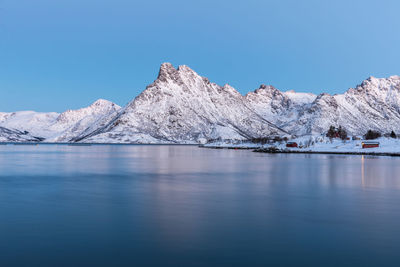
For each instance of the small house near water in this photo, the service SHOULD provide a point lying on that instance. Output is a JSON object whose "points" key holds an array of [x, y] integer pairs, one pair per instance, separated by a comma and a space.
{"points": [[292, 144], [369, 144]]}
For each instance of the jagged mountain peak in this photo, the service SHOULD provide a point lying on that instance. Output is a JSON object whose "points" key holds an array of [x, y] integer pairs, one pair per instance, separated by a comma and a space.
{"points": [[167, 68], [267, 87], [102, 102], [379, 83], [166, 65], [265, 90], [166, 71], [169, 74], [373, 79], [376, 89], [272, 92], [182, 80]]}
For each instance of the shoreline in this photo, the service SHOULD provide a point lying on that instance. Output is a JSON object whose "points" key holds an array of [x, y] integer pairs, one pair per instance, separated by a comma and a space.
{"points": [[271, 151], [254, 149], [91, 144], [387, 154]]}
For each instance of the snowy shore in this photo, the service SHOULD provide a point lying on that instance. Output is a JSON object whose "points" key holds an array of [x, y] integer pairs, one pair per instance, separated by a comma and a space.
{"points": [[318, 145]]}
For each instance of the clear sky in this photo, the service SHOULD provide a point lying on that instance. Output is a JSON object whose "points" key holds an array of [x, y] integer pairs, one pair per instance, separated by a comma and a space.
{"points": [[65, 54]]}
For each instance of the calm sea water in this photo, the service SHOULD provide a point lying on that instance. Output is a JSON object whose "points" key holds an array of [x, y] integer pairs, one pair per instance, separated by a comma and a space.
{"points": [[186, 206]]}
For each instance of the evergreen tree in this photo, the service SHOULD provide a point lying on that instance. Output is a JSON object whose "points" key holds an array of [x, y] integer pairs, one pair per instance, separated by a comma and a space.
{"points": [[331, 132], [342, 133], [370, 135]]}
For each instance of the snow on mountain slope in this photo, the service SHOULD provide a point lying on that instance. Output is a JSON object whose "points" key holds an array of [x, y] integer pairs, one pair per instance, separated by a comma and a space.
{"points": [[281, 108], [71, 123], [36, 123], [55, 127], [300, 98], [181, 106], [8, 135], [375, 104]]}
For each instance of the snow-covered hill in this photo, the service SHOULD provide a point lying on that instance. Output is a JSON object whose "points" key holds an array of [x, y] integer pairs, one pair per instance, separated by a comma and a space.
{"points": [[36, 123], [180, 106], [55, 127], [72, 123]]}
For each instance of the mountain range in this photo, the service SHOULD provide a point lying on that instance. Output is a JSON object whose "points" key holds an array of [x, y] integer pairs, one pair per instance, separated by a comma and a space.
{"points": [[181, 106]]}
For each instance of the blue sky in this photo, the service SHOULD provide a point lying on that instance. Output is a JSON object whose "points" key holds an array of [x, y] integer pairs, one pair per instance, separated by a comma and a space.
{"points": [[65, 54]]}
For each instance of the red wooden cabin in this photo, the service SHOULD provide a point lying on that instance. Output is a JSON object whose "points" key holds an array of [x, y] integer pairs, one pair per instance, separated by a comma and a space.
{"points": [[291, 144], [369, 144]]}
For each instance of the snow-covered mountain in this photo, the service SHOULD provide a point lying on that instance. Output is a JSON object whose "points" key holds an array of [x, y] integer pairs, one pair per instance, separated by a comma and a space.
{"points": [[55, 127], [374, 104], [180, 106]]}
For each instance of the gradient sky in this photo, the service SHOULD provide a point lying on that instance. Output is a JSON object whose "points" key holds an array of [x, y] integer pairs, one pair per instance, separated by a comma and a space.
{"points": [[65, 54]]}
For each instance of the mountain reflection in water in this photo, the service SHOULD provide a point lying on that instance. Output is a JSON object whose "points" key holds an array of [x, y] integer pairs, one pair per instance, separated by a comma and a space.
{"points": [[187, 206]]}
